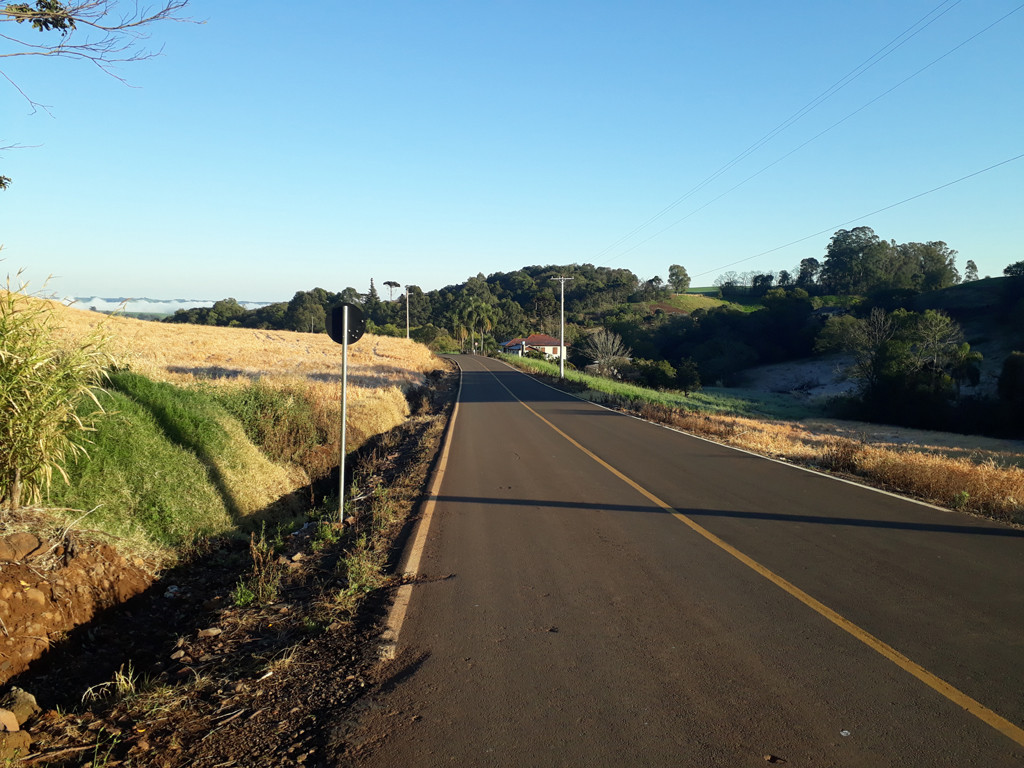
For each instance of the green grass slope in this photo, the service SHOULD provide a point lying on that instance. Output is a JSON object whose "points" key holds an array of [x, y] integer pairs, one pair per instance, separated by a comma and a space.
{"points": [[167, 466]]}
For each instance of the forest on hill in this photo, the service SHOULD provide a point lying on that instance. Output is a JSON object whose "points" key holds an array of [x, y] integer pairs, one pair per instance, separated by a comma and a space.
{"points": [[862, 298]]}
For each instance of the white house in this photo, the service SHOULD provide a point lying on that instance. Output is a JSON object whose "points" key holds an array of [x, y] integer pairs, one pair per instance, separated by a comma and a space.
{"points": [[537, 342]]}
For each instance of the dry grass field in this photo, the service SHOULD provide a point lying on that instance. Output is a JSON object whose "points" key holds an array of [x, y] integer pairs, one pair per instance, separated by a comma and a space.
{"points": [[978, 475], [381, 369]]}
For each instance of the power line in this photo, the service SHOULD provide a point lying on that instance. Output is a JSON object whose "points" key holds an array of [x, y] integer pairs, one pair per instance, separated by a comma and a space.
{"points": [[834, 227], [818, 135], [848, 78]]}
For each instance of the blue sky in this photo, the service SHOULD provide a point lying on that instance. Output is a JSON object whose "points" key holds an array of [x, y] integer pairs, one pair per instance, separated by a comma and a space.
{"points": [[265, 153]]}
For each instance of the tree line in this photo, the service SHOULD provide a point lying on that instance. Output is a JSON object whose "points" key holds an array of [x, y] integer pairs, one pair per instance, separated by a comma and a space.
{"points": [[627, 327]]}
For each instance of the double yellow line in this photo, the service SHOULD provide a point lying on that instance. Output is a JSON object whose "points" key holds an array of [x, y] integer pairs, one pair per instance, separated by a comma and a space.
{"points": [[956, 696]]}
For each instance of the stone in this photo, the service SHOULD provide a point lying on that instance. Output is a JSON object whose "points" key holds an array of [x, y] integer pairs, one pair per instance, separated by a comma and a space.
{"points": [[9, 721], [14, 745], [35, 597], [211, 632], [24, 544], [7, 553], [22, 703]]}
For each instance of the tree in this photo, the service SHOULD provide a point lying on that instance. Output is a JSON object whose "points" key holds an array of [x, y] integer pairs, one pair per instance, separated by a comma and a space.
{"points": [[970, 271], [687, 375], [935, 264], [607, 351], [678, 278], [372, 304], [854, 260], [392, 285], [1011, 379], [305, 313], [1014, 270], [102, 32], [761, 283], [809, 270]]}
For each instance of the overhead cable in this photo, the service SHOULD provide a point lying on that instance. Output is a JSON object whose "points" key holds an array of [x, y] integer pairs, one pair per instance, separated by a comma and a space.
{"points": [[924, 22], [835, 227]]}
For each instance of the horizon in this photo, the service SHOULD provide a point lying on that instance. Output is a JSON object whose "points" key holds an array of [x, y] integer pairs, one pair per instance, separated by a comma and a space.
{"points": [[415, 149]]}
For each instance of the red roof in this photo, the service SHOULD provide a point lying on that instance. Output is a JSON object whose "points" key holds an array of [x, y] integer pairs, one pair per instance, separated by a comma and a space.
{"points": [[541, 340]]}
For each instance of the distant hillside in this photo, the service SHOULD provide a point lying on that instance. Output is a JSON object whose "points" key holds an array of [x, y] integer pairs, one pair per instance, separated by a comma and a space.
{"points": [[993, 295]]}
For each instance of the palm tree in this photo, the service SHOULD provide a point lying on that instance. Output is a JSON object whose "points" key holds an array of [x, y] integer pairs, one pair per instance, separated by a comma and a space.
{"points": [[476, 312]]}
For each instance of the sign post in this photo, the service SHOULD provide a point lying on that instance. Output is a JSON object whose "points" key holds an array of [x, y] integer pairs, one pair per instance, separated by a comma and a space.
{"points": [[345, 325]]}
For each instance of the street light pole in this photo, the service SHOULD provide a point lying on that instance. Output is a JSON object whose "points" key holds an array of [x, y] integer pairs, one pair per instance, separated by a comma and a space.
{"points": [[561, 338]]}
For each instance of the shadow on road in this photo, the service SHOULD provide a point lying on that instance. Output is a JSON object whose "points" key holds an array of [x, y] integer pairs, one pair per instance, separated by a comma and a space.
{"points": [[853, 522]]}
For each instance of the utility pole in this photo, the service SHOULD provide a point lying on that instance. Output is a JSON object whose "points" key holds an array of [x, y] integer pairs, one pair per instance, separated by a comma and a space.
{"points": [[407, 311], [561, 338]]}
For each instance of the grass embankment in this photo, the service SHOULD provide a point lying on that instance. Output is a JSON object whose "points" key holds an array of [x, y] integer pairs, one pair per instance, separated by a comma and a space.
{"points": [[212, 430], [712, 400], [980, 485]]}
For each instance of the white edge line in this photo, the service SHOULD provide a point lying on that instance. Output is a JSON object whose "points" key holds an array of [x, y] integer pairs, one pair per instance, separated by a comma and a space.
{"points": [[791, 465], [409, 564]]}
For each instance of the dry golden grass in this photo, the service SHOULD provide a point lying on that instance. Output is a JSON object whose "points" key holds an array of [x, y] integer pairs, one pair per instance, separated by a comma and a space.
{"points": [[986, 483], [381, 369]]}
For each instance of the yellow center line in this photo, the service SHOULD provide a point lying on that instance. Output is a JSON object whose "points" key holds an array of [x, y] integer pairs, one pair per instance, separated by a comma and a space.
{"points": [[955, 695]]}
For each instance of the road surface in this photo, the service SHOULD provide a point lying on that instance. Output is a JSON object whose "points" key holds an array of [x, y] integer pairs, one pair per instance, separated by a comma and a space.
{"points": [[599, 591]]}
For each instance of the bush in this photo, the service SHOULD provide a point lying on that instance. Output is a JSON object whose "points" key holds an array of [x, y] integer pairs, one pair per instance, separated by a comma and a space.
{"points": [[1011, 379], [656, 374], [41, 386]]}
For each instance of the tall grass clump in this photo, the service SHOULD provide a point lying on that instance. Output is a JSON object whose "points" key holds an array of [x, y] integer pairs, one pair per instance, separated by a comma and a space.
{"points": [[286, 419], [42, 384]]}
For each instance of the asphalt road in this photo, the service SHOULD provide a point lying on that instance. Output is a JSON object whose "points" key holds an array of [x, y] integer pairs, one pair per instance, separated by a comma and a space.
{"points": [[567, 618]]}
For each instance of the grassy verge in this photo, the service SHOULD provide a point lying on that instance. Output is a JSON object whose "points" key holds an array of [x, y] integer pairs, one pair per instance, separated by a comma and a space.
{"points": [[168, 466], [709, 400], [981, 486]]}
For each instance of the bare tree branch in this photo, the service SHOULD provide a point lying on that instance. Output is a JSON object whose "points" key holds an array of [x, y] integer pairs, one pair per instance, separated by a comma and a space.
{"points": [[97, 31]]}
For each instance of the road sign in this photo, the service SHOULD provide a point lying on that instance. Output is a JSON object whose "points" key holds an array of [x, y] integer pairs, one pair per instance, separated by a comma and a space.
{"points": [[345, 325], [336, 323]]}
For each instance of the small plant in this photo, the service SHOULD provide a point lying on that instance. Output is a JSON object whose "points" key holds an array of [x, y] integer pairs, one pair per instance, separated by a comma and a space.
{"points": [[362, 565], [326, 534], [264, 580], [104, 748], [241, 595], [41, 386], [126, 684], [840, 455], [961, 500]]}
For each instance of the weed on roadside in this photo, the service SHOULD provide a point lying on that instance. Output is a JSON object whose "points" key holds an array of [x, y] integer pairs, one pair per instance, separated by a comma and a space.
{"points": [[263, 583]]}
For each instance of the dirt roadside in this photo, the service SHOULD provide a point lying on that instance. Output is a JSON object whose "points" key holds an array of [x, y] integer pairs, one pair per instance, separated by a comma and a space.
{"points": [[171, 672]]}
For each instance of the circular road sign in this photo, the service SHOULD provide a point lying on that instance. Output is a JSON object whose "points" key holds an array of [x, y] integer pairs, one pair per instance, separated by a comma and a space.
{"points": [[336, 323]]}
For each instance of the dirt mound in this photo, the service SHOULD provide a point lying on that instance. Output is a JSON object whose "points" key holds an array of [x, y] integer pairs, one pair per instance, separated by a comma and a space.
{"points": [[51, 584]]}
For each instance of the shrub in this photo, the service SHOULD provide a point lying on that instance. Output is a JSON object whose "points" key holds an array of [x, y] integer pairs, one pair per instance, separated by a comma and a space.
{"points": [[41, 386], [1011, 379]]}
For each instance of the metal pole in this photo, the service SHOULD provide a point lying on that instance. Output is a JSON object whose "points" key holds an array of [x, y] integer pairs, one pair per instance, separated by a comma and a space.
{"points": [[407, 311], [344, 417]]}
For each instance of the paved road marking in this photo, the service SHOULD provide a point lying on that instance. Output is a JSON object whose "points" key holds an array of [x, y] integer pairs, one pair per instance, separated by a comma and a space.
{"points": [[411, 566], [956, 696]]}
